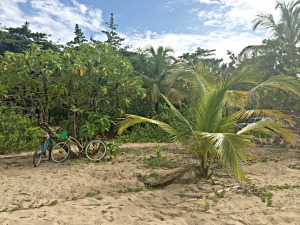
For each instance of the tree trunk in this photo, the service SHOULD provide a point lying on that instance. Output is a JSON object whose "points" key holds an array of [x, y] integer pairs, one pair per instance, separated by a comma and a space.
{"points": [[46, 110], [204, 170], [69, 104], [77, 118], [46, 128], [156, 107]]}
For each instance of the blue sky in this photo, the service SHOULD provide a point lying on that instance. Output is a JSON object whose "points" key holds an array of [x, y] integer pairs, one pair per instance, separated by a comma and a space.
{"points": [[182, 25]]}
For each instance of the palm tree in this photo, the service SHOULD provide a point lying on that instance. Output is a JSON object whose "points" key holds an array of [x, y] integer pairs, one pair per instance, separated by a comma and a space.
{"points": [[211, 135], [287, 29], [157, 72]]}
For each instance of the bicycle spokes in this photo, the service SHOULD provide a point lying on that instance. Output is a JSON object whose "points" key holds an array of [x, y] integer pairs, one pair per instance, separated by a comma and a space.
{"points": [[60, 152], [96, 150]]}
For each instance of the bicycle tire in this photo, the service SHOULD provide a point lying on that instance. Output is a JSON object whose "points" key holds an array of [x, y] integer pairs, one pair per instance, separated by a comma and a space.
{"points": [[60, 152], [37, 155], [96, 150]]}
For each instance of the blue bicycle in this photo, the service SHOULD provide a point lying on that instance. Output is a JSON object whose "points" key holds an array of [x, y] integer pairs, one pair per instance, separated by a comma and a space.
{"points": [[41, 150]]}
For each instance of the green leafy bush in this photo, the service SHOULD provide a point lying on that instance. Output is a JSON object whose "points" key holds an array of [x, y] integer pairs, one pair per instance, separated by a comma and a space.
{"points": [[144, 133], [95, 124], [150, 133], [113, 149], [17, 133]]}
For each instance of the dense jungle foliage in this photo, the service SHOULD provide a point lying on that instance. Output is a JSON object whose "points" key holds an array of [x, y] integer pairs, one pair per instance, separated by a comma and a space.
{"points": [[87, 86]]}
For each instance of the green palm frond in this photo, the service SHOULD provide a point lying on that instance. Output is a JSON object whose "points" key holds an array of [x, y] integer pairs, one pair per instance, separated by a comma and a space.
{"points": [[237, 98], [130, 120], [287, 28], [269, 126], [175, 95], [247, 75], [158, 66], [160, 59], [178, 114], [255, 127], [289, 20], [148, 82], [182, 74], [229, 149], [228, 124], [200, 90], [209, 109], [281, 82], [204, 77], [234, 152], [275, 114], [264, 19], [247, 52]]}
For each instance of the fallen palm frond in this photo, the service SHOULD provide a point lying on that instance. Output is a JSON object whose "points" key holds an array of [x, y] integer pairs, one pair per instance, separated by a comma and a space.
{"points": [[167, 180]]}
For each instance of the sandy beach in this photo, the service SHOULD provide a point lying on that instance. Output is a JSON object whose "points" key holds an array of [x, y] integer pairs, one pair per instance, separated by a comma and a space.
{"points": [[81, 192]]}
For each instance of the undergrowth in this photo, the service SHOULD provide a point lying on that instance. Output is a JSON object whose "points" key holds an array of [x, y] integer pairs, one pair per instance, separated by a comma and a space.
{"points": [[144, 133], [161, 162], [17, 133], [267, 196]]}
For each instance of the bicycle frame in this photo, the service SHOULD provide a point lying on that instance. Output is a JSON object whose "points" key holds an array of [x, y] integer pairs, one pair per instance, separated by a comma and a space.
{"points": [[94, 150], [70, 140], [41, 149], [47, 143]]}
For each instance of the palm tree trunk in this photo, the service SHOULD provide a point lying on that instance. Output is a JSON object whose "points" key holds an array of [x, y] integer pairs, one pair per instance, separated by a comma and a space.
{"points": [[205, 167]]}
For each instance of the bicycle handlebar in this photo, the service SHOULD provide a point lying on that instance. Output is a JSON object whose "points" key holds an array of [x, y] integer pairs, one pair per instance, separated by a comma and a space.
{"points": [[49, 131]]}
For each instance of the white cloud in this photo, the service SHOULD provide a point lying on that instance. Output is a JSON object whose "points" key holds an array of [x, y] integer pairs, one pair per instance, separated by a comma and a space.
{"points": [[9, 8], [183, 43], [231, 14], [209, 2], [70, 15], [52, 17], [58, 19], [233, 41], [82, 7]]}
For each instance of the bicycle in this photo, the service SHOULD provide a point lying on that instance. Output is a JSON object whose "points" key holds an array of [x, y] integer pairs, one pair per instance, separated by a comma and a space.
{"points": [[95, 150], [43, 147], [41, 150]]}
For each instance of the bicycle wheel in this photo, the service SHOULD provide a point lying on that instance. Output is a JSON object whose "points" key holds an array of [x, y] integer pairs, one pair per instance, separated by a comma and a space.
{"points": [[95, 150], [60, 152], [37, 155]]}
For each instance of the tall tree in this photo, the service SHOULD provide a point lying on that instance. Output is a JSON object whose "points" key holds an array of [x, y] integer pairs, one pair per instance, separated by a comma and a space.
{"points": [[286, 31], [200, 56], [29, 78], [18, 39], [279, 55], [79, 38], [76, 87], [288, 27], [113, 38], [158, 65]]}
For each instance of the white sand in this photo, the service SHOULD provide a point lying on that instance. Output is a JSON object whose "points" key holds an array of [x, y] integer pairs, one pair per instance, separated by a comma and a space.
{"points": [[89, 193]]}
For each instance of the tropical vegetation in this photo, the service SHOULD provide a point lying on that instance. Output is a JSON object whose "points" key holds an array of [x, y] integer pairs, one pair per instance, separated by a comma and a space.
{"points": [[87, 86], [210, 133]]}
